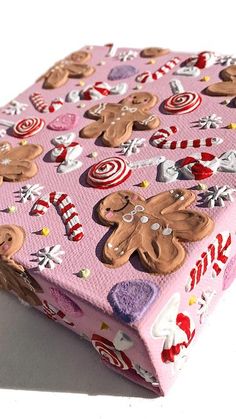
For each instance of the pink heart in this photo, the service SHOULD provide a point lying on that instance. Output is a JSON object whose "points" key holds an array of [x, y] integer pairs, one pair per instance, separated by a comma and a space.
{"points": [[64, 122]]}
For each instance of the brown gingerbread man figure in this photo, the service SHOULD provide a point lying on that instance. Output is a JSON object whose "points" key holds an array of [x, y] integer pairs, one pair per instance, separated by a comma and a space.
{"points": [[16, 163], [13, 276], [226, 87], [154, 228], [153, 52], [72, 66], [115, 121]]}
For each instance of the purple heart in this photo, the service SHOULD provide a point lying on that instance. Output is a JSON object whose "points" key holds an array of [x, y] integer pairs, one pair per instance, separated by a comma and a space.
{"points": [[130, 299], [64, 122], [122, 72]]}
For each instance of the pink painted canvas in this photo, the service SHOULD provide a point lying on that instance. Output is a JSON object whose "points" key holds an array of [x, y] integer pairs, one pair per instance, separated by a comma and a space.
{"points": [[117, 173]]}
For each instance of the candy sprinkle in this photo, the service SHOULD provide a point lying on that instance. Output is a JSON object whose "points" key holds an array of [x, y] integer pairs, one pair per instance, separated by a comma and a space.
{"points": [[205, 78], [144, 184], [202, 187], [84, 273], [192, 300], [12, 209], [232, 125], [93, 155], [23, 142], [45, 231]]}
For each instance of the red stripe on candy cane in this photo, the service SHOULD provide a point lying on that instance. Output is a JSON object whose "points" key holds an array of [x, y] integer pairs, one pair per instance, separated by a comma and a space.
{"points": [[66, 210], [148, 77], [217, 255]]}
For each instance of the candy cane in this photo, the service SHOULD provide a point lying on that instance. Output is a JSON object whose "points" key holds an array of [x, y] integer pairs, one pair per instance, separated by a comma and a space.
{"points": [[198, 142], [65, 208], [51, 312], [42, 106], [111, 50], [216, 255], [149, 77]]}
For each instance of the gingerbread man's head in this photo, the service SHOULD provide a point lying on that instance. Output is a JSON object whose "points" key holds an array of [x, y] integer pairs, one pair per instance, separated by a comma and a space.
{"points": [[227, 87], [11, 240], [153, 52], [140, 100], [116, 205]]}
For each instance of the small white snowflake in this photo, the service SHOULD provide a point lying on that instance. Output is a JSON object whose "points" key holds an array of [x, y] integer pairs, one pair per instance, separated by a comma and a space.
{"points": [[147, 376], [210, 121], [216, 195], [5, 162], [132, 146], [204, 302], [15, 108], [226, 60], [49, 257], [2, 133], [127, 55], [30, 192]]}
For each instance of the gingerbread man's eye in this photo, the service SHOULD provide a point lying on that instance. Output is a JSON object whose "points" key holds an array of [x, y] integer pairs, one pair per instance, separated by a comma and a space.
{"points": [[10, 239], [108, 209], [126, 196], [134, 97], [145, 100]]}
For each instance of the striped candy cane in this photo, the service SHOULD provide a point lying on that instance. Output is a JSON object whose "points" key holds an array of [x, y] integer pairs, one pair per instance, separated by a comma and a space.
{"points": [[198, 142], [42, 106], [149, 77], [53, 312], [65, 208], [216, 255]]}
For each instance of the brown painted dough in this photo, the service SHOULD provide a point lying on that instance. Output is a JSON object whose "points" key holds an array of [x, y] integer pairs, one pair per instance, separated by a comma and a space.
{"points": [[153, 52], [227, 87], [115, 121], [72, 66], [154, 227], [13, 276], [16, 163]]}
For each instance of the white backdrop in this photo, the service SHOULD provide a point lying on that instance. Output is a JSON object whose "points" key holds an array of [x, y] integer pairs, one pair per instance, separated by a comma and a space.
{"points": [[44, 369]]}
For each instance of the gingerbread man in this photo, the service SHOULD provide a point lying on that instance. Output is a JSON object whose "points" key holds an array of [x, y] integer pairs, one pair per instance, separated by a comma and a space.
{"points": [[72, 66], [227, 87], [154, 228], [13, 276], [16, 163], [153, 52], [115, 121]]}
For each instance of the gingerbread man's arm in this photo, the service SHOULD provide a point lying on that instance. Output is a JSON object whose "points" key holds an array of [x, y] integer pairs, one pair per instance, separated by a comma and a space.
{"points": [[223, 88], [146, 120], [120, 245], [100, 113], [167, 202]]}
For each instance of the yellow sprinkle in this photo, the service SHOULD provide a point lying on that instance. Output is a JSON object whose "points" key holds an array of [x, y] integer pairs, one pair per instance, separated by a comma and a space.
{"points": [[93, 155], [23, 142], [151, 61], [102, 63], [205, 78], [82, 105], [84, 273], [45, 231], [202, 187], [232, 125], [138, 87], [192, 300], [144, 184], [81, 83], [104, 326], [11, 209]]}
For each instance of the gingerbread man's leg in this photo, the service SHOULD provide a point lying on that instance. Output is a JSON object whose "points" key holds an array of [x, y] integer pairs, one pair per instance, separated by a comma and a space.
{"points": [[162, 254], [93, 130], [117, 133], [120, 246]]}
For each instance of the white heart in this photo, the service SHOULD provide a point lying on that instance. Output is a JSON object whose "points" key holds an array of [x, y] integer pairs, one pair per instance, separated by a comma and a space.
{"points": [[73, 96], [122, 341], [188, 71], [167, 171]]}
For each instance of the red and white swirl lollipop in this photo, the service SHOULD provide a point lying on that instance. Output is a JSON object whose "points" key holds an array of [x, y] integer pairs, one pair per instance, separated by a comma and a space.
{"points": [[28, 127], [109, 354], [113, 171], [181, 102]]}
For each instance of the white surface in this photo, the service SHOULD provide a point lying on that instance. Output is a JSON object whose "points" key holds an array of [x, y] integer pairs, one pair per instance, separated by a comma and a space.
{"points": [[45, 370]]}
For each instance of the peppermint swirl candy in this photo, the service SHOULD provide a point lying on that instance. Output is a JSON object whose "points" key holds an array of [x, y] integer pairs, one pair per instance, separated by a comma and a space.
{"points": [[109, 354], [182, 103], [28, 127], [108, 173]]}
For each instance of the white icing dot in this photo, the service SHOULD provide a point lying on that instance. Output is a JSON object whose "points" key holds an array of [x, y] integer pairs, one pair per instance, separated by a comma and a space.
{"points": [[181, 198], [155, 226], [109, 245], [116, 248], [144, 219], [121, 253], [118, 119], [113, 123], [167, 231], [122, 113]]}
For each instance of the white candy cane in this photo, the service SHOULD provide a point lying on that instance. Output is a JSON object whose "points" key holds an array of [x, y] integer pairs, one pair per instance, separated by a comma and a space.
{"points": [[149, 77], [111, 50], [65, 208], [154, 161], [216, 256], [42, 106]]}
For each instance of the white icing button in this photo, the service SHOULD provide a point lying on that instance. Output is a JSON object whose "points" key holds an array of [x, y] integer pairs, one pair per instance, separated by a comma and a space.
{"points": [[155, 226], [109, 245], [144, 219], [123, 114], [181, 198], [118, 119], [112, 123], [167, 231], [121, 253], [116, 248]]}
